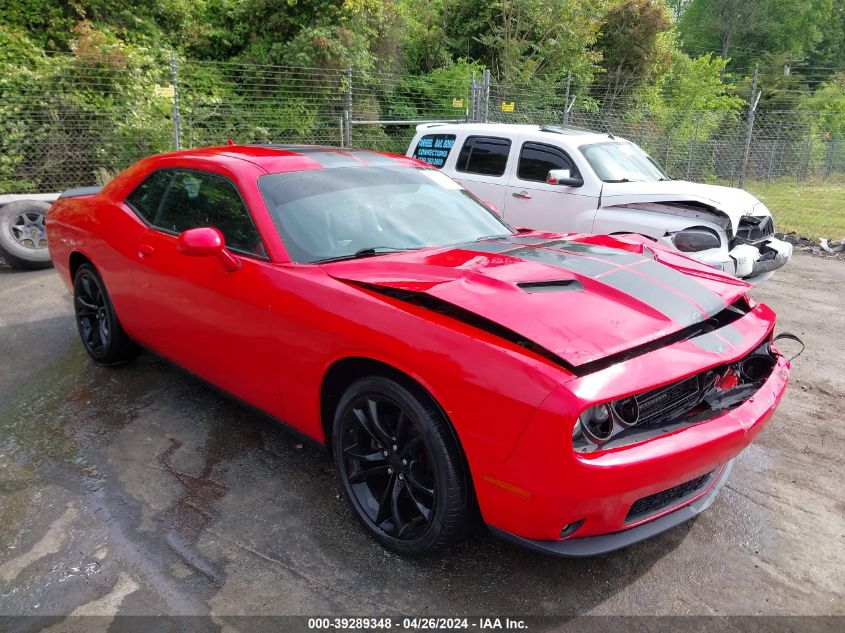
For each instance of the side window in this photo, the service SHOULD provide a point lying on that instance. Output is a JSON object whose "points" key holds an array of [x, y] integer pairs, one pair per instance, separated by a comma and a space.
{"points": [[536, 160], [146, 197], [434, 149], [197, 199], [484, 155]]}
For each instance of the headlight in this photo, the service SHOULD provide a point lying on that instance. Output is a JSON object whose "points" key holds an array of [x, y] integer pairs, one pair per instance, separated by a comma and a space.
{"points": [[601, 422], [696, 239], [597, 423]]}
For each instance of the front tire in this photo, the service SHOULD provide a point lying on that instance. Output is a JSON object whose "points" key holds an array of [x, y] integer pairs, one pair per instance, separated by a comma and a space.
{"points": [[400, 467], [100, 330]]}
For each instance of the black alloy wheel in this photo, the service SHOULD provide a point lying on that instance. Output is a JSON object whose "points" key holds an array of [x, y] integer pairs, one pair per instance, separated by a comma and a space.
{"points": [[100, 331], [400, 467]]}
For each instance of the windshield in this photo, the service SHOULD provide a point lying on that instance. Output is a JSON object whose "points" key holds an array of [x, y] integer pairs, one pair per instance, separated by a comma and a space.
{"points": [[347, 212], [622, 162]]}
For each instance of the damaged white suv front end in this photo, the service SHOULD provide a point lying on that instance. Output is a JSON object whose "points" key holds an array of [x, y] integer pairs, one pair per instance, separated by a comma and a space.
{"points": [[724, 227]]}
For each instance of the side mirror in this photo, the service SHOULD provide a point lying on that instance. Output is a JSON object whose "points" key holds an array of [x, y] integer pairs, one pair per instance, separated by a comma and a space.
{"points": [[205, 242], [564, 177]]}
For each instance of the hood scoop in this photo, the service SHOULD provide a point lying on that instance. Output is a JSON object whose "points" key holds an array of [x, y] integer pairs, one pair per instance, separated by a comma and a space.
{"points": [[555, 285]]}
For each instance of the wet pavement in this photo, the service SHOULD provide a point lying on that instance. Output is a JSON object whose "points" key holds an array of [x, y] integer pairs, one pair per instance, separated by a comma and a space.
{"points": [[137, 490]]}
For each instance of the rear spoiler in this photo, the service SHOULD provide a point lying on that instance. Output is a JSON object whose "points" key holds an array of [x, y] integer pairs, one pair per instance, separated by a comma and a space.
{"points": [[81, 191]]}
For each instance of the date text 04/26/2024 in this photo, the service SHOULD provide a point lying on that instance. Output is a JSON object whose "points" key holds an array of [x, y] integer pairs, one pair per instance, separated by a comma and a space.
{"points": [[417, 624]]}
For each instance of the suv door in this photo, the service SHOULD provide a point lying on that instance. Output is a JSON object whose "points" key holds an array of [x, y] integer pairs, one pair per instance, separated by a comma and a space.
{"points": [[190, 309], [482, 167], [533, 203]]}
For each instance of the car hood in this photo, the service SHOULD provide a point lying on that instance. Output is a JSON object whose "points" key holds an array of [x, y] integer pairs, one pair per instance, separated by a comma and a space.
{"points": [[733, 202], [581, 298]]}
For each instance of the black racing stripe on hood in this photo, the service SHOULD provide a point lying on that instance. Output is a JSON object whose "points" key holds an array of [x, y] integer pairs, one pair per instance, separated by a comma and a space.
{"points": [[646, 291], [629, 273], [705, 298]]}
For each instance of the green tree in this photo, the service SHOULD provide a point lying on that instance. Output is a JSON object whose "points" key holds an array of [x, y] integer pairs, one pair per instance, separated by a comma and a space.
{"points": [[635, 44], [543, 40], [743, 30]]}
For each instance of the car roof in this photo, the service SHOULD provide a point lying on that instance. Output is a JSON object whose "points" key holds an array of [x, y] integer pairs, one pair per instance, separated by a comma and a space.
{"points": [[573, 134], [284, 158]]}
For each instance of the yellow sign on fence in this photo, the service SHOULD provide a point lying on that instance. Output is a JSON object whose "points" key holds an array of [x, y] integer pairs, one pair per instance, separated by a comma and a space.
{"points": [[507, 106], [457, 103]]}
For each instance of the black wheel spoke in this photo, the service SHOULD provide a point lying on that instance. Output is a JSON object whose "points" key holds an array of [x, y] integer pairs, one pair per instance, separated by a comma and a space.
{"points": [[422, 508], [384, 502], [365, 473], [414, 482], [401, 425], [372, 408], [409, 448], [85, 308], [364, 454], [367, 426], [399, 525]]}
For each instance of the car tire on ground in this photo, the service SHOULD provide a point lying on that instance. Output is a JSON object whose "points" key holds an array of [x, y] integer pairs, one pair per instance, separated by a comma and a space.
{"points": [[23, 236], [400, 466], [99, 328]]}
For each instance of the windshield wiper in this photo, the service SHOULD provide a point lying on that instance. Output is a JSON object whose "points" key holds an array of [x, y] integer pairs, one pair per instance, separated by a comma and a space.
{"points": [[370, 251], [494, 236]]}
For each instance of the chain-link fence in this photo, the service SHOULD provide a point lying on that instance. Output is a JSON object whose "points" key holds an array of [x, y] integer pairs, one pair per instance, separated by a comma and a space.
{"points": [[78, 121]]}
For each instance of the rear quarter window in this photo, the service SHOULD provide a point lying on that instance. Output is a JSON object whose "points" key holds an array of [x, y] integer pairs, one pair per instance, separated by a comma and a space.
{"points": [[484, 155], [146, 197], [434, 149]]}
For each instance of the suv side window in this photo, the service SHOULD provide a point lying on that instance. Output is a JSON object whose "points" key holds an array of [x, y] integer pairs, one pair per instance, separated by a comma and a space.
{"points": [[484, 155], [195, 199], [536, 160], [146, 198], [434, 149]]}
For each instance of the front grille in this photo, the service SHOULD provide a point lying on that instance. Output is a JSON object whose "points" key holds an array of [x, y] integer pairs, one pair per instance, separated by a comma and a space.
{"points": [[754, 228], [653, 504], [666, 403]]}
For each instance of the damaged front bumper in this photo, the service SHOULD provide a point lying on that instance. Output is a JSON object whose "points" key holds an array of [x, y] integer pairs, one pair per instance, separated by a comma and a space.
{"points": [[753, 263]]}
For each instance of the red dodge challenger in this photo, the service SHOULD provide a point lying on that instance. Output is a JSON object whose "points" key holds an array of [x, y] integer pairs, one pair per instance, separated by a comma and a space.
{"points": [[578, 392]]}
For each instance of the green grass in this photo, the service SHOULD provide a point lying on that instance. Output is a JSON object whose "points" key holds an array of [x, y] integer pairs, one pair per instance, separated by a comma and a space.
{"points": [[813, 208]]}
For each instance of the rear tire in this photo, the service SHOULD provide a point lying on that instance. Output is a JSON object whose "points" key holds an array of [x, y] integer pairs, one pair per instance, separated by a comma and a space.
{"points": [[23, 236], [401, 469], [99, 328]]}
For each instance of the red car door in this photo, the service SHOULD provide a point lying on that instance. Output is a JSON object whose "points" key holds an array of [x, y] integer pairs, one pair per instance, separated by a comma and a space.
{"points": [[212, 322]]}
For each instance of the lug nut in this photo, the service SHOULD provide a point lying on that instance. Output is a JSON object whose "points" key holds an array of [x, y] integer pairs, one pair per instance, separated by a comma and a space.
{"points": [[395, 448], [389, 470], [384, 453], [404, 462], [401, 476]]}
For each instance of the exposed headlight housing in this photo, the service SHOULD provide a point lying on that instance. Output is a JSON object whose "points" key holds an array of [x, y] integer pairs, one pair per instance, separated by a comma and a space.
{"points": [[597, 423], [697, 238], [601, 422]]}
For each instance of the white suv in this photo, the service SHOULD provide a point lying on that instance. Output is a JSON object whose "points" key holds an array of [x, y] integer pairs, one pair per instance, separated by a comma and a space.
{"points": [[573, 180]]}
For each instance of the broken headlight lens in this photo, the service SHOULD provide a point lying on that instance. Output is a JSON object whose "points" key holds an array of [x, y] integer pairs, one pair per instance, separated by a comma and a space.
{"points": [[696, 239]]}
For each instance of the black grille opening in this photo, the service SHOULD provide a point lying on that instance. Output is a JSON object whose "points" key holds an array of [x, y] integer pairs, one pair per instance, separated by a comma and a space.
{"points": [[669, 402], [659, 501]]}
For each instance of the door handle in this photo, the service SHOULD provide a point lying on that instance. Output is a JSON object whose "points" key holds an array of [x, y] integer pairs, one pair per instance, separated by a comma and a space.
{"points": [[145, 251], [521, 194]]}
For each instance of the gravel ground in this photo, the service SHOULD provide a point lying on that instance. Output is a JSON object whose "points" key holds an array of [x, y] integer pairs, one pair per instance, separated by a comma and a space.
{"points": [[136, 491]]}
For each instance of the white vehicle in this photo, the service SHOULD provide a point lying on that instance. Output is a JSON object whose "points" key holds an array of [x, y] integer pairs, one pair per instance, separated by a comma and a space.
{"points": [[23, 236], [574, 180]]}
